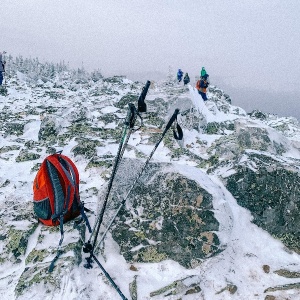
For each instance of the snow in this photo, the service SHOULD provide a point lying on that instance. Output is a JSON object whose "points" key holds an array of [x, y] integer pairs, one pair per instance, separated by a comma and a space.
{"points": [[246, 247], [209, 109], [109, 109], [31, 130]]}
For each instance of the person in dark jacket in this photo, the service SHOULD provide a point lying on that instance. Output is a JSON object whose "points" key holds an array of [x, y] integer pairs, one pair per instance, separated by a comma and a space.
{"points": [[2, 66], [186, 79], [179, 75], [202, 85]]}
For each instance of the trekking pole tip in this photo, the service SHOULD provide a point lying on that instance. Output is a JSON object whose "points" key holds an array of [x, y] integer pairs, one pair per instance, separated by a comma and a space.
{"points": [[87, 248]]}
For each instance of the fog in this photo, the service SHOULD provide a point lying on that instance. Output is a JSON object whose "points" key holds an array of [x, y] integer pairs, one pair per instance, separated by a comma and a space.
{"points": [[251, 49]]}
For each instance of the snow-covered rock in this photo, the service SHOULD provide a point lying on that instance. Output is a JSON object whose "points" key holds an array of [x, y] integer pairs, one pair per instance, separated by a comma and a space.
{"points": [[213, 217]]}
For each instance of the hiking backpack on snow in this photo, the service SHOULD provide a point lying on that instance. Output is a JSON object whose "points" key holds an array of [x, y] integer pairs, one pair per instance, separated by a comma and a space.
{"points": [[56, 192]]}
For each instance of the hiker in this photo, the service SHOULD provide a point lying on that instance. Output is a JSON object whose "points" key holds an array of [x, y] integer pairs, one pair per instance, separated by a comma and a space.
{"points": [[202, 85], [203, 72], [179, 75], [186, 79], [2, 67]]}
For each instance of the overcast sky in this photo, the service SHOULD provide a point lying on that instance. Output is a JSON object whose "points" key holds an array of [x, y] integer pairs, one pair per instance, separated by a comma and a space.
{"points": [[249, 47]]}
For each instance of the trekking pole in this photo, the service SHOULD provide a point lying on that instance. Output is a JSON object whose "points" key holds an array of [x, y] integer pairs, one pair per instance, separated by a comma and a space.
{"points": [[180, 135], [88, 247], [129, 123]]}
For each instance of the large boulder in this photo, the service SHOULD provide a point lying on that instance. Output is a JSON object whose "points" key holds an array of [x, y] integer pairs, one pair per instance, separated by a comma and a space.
{"points": [[270, 189], [169, 217], [48, 130]]}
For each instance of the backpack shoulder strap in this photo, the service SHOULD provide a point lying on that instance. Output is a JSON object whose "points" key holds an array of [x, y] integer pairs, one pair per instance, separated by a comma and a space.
{"points": [[58, 252], [70, 176], [69, 185], [70, 166]]}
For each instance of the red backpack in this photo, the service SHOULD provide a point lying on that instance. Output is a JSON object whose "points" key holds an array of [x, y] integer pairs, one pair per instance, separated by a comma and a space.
{"points": [[56, 192]]}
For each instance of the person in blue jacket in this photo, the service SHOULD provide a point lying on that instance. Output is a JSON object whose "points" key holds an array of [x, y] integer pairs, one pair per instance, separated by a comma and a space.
{"points": [[179, 75], [2, 67]]}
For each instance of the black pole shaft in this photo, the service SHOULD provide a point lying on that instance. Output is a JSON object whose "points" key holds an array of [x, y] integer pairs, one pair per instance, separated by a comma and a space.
{"points": [[129, 122], [109, 278], [100, 218]]}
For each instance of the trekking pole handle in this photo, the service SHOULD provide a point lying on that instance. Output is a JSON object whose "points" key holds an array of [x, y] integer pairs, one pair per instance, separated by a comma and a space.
{"points": [[142, 107], [144, 91], [132, 115]]}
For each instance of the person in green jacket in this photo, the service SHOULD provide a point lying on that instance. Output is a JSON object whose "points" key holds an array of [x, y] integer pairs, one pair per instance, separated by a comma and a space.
{"points": [[203, 72]]}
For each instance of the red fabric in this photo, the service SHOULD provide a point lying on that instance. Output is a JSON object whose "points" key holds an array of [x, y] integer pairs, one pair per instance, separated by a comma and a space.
{"points": [[42, 187]]}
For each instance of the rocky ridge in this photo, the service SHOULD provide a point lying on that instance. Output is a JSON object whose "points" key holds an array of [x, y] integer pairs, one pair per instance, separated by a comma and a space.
{"points": [[172, 214]]}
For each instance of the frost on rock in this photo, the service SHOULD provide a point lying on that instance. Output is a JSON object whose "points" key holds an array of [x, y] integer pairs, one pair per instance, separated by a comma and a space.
{"points": [[272, 194], [48, 130], [169, 215]]}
